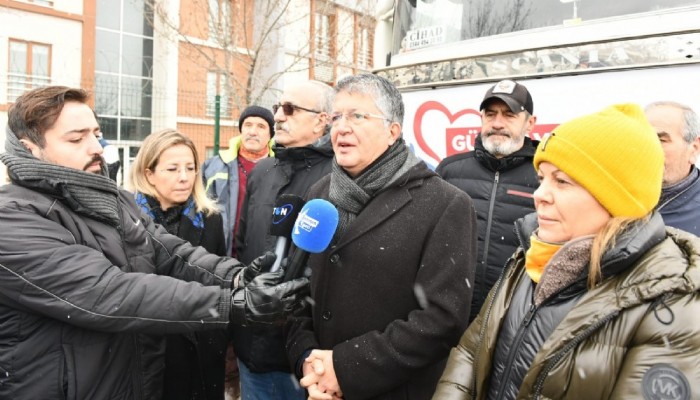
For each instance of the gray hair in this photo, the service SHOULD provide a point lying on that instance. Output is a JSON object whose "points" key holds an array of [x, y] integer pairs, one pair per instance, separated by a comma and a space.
{"points": [[326, 94], [691, 124], [386, 97]]}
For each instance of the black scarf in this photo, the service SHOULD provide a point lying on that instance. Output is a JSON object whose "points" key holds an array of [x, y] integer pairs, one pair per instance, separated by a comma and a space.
{"points": [[351, 195], [87, 194]]}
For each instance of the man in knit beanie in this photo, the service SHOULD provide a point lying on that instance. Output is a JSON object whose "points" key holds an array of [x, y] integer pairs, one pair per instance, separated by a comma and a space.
{"points": [[225, 175], [677, 127], [498, 175]]}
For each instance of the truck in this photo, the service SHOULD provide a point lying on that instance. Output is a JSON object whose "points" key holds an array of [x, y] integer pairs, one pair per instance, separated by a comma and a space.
{"points": [[574, 56]]}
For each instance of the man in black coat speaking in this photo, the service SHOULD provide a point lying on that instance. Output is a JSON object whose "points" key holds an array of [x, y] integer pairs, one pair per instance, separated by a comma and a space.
{"points": [[391, 293]]}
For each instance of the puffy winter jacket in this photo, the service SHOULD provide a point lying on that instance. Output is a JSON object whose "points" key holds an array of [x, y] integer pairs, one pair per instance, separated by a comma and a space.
{"points": [[634, 336], [501, 189], [682, 210], [84, 305]]}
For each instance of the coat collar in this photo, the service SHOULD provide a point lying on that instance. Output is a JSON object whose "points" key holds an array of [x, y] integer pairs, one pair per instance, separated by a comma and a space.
{"points": [[386, 203], [523, 155]]}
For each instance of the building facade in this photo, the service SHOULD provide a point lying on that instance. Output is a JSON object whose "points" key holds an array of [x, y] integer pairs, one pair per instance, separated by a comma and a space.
{"points": [[154, 64]]}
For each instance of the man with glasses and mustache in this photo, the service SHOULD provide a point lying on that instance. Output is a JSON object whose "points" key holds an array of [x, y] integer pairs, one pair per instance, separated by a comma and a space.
{"points": [[89, 284], [302, 156], [499, 177], [225, 178]]}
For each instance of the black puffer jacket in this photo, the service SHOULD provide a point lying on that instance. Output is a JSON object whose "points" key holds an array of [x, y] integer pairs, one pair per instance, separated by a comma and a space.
{"points": [[292, 171], [502, 192], [194, 362], [84, 305]]}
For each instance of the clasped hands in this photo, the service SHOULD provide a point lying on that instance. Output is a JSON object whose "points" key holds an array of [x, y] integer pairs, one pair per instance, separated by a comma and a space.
{"points": [[319, 376]]}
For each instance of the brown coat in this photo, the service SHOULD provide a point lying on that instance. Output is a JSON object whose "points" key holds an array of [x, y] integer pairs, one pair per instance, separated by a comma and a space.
{"points": [[611, 345]]}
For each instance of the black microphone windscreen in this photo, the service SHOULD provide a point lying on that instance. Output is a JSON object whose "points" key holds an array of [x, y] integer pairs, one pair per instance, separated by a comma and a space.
{"points": [[284, 214]]}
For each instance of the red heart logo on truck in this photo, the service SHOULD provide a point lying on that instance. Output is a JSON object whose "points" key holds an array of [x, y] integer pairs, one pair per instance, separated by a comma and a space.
{"points": [[449, 132]]}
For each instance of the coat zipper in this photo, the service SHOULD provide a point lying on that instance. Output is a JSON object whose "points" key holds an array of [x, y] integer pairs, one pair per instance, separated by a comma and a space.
{"points": [[138, 385], [489, 221], [539, 383]]}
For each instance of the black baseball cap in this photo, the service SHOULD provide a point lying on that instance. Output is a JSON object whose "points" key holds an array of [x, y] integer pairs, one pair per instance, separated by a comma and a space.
{"points": [[512, 93]]}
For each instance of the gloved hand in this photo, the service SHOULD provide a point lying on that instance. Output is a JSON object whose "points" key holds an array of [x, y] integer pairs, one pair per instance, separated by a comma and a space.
{"points": [[267, 299], [247, 274]]}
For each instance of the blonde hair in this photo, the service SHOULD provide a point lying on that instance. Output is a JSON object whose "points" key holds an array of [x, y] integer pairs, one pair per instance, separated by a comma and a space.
{"points": [[603, 241], [148, 157]]}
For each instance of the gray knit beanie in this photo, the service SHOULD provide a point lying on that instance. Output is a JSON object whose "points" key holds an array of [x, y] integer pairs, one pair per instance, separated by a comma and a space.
{"points": [[257, 111]]}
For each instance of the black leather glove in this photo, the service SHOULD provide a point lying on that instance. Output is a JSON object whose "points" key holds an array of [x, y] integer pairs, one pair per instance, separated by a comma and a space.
{"points": [[247, 274], [267, 299]]}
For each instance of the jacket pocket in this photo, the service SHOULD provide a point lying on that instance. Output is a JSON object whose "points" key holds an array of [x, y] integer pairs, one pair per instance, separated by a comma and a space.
{"points": [[67, 372]]}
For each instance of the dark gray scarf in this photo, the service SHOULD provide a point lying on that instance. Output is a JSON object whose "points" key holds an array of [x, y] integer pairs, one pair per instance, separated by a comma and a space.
{"points": [[88, 194], [351, 195]]}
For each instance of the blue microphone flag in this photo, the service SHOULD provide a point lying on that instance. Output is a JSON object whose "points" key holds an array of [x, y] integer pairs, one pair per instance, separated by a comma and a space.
{"points": [[315, 226]]}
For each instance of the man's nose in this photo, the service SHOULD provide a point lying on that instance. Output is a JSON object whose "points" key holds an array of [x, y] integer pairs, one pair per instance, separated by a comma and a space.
{"points": [[499, 120], [280, 115], [95, 146]]}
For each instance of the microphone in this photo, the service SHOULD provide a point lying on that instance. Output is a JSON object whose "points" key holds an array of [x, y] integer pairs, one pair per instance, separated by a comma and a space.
{"points": [[312, 233], [284, 214]]}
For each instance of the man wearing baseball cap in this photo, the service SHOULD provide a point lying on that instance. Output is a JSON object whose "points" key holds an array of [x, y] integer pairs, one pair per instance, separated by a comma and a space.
{"points": [[499, 177]]}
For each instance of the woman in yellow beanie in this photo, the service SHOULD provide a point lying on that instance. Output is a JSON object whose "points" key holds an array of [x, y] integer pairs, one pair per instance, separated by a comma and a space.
{"points": [[601, 301]]}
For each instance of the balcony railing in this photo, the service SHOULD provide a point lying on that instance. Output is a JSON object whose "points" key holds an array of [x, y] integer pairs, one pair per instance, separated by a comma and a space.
{"points": [[17, 84]]}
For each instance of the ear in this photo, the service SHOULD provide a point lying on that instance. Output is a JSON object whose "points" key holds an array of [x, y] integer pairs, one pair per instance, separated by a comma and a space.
{"points": [[322, 123], [394, 132], [149, 176], [530, 124], [694, 150], [31, 147]]}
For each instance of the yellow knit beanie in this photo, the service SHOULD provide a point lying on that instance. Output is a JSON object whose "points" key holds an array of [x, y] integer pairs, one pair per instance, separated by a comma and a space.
{"points": [[615, 154]]}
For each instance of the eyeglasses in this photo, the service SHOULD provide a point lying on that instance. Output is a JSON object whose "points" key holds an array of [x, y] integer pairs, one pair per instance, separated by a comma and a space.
{"points": [[288, 109], [355, 118], [174, 171]]}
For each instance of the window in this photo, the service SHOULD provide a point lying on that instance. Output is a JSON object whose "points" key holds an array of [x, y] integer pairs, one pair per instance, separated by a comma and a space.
{"points": [[219, 19], [323, 35], [324, 31], [29, 67], [216, 84], [424, 23], [45, 3], [364, 46]]}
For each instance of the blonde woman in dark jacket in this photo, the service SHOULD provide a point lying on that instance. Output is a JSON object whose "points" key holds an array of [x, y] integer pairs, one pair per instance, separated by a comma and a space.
{"points": [[166, 179], [601, 300]]}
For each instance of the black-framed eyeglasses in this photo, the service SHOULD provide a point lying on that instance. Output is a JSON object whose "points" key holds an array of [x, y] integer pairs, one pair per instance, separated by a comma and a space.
{"points": [[288, 109]]}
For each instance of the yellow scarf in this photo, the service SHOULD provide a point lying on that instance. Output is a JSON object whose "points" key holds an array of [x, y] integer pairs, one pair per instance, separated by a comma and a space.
{"points": [[538, 255]]}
